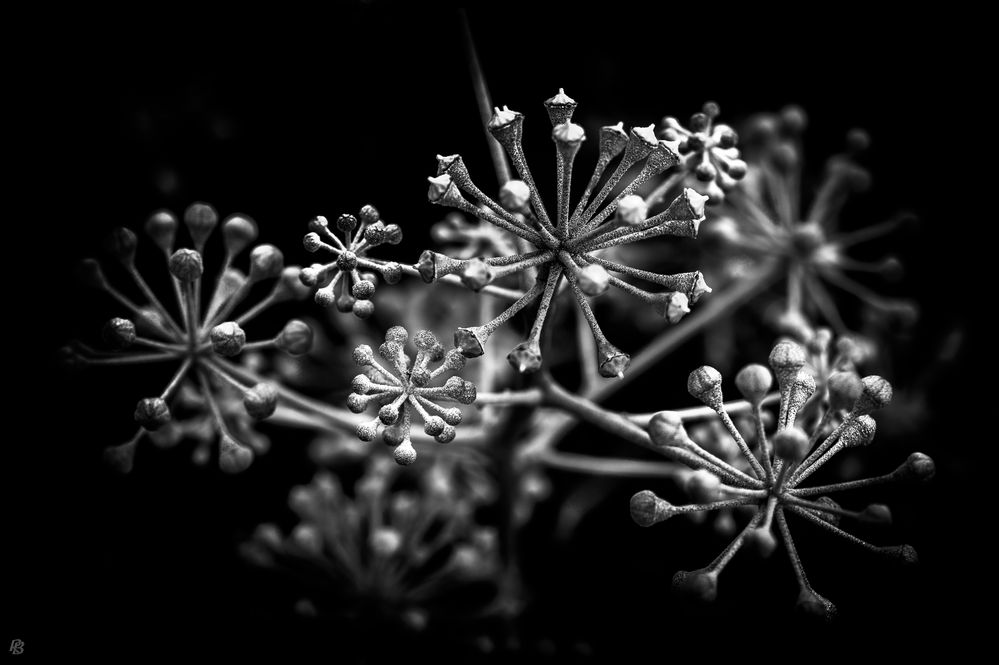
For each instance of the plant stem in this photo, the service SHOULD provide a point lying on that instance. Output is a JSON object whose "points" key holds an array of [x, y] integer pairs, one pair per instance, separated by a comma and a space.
{"points": [[605, 466], [528, 397], [484, 101], [554, 428]]}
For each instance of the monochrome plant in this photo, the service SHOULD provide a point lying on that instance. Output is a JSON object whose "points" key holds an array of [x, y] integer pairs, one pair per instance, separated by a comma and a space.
{"points": [[486, 433]]}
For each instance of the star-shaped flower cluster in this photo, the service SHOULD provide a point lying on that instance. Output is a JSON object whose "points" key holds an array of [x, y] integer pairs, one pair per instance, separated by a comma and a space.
{"points": [[568, 244], [198, 338], [340, 282], [709, 151], [407, 553], [782, 462], [772, 222], [404, 388]]}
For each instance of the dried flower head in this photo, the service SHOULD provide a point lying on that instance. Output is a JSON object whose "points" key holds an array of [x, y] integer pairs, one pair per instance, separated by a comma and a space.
{"points": [[773, 481], [568, 243], [402, 551], [404, 388], [772, 222], [708, 149], [198, 337], [341, 281]]}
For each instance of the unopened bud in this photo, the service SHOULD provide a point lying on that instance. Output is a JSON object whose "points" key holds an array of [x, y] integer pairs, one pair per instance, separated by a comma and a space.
{"points": [[704, 384], [295, 338], [666, 429], [161, 227], [875, 394], [405, 453], [754, 382], [152, 413], [186, 265], [238, 232], [119, 333], [122, 244], [525, 357], [791, 444], [200, 219], [266, 261], [261, 400], [228, 339]]}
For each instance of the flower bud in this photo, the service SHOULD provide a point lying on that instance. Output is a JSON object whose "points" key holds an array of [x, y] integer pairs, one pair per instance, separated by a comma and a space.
{"points": [[119, 333], [312, 242], [200, 219], [447, 435], [384, 541], [452, 416], [363, 309], [363, 355], [186, 265], [460, 390], [525, 357], [786, 359], [858, 432], [357, 402], [228, 339], [703, 486], [611, 361], [238, 231], [876, 513], [376, 234], [666, 429], [388, 414], [648, 509], [754, 382], [307, 537], [391, 272], [369, 214], [918, 467], [704, 384], [346, 222], [367, 431], [161, 227], [152, 413], [345, 303], [266, 261], [426, 341], [122, 244], [405, 453], [295, 338], [875, 394], [791, 444], [261, 400], [434, 425], [844, 389]]}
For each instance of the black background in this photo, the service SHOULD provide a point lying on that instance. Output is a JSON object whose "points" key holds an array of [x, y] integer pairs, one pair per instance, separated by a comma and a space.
{"points": [[283, 121]]}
